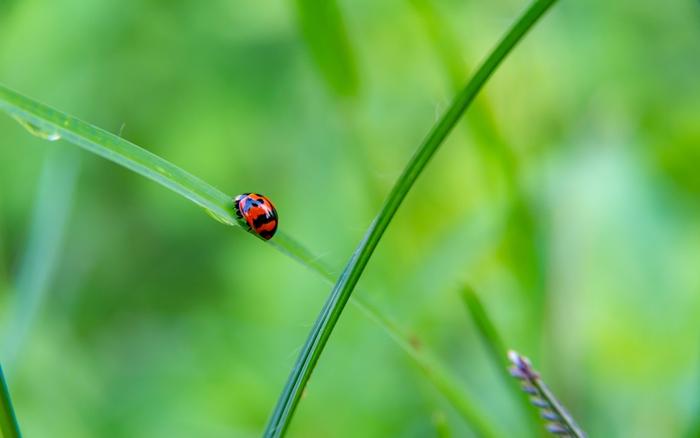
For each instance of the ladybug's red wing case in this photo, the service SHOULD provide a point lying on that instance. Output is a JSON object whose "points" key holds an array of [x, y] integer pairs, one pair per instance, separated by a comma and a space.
{"points": [[258, 212]]}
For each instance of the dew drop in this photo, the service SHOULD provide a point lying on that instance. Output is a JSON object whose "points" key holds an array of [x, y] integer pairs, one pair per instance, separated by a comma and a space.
{"points": [[37, 131]]}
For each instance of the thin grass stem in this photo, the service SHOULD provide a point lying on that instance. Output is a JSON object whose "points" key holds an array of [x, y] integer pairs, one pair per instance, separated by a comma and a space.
{"points": [[52, 124], [325, 323], [8, 420], [497, 350]]}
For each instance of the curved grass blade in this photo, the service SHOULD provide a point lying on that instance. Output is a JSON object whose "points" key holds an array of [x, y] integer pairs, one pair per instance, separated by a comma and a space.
{"points": [[326, 37], [497, 350], [51, 124], [493, 148], [8, 420], [444, 381], [481, 119], [289, 399], [487, 330]]}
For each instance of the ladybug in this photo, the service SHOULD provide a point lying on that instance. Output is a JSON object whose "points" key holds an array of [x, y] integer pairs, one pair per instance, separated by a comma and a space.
{"points": [[258, 212]]}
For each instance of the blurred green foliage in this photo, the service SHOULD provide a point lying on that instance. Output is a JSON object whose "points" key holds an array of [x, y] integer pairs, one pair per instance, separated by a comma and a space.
{"points": [[323, 30], [580, 230]]}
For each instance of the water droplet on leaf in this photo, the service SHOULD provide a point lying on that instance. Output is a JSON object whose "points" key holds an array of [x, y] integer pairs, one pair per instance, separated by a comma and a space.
{"points": [[33, 129]]}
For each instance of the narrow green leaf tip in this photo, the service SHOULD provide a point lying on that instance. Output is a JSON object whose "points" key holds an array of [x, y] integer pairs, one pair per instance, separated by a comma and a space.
{"points": [[325, 323], [50, 124], [8, 420]]}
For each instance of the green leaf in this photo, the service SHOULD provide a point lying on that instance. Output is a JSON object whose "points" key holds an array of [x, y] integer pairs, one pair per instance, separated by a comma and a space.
{"points": [[481, 121], [8, 420], [498, 353], [323, 31], [52, 125], [486, 328], [339, 296]]}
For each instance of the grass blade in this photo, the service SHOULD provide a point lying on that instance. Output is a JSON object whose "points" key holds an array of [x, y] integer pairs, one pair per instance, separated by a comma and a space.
{"points": [[289, 399], [493, 149], [481, 120], [34, 118], [8, 420], [51, 124], [497, 349], [487, 330], [443, 381]]}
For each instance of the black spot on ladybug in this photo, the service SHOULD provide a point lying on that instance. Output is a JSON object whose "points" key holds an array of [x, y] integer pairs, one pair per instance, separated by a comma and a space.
{"points": [[267, 234], [262, 220]]}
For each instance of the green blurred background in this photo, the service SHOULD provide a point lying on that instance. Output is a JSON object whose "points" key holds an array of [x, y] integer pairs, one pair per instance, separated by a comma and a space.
{"points": [[568, 197]]}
